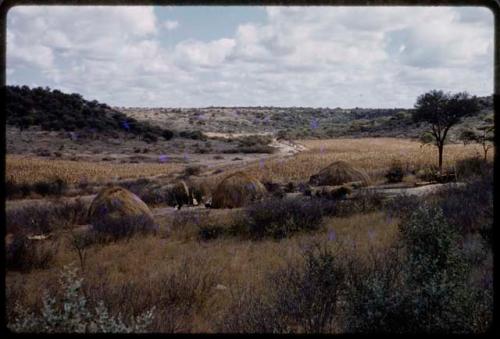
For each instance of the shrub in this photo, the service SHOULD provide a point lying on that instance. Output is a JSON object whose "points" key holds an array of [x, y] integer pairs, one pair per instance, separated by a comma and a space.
{"points": [[71, 313], [308, 296], [195, 135], [437, 274], [150, 137], [55, 187], [364, 201], [192, 170], [210, 232], [424, 288], [46, 218], [15, 190], [469, 208], [124, 227], [470, 167], [432, 246], [402, 205], [167, 134], [375, 299], [395, 172], [304, 298], [280, 218], [428, 173], [251, 149], [25, 254]]}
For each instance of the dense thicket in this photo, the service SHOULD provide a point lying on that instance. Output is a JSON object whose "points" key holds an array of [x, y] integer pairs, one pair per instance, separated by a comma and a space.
{"points": [[54, 110]]}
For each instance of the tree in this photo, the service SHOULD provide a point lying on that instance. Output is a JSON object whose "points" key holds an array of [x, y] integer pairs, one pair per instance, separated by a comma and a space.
{"points": [[442, 111], [483, 135]]}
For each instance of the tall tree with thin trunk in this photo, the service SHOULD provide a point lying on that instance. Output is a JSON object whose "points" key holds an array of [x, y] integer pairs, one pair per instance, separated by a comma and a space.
{"points": [[442, 111]]}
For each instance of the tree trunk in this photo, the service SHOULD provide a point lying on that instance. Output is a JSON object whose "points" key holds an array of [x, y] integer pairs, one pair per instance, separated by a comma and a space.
{"points": [[440, 151]]}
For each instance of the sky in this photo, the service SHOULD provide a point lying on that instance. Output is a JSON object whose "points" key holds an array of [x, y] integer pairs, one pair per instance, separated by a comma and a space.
{"points": [[199, 56]]}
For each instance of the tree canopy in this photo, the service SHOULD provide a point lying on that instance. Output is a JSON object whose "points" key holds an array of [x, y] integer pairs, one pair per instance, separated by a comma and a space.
{"points": [[442, 111]]}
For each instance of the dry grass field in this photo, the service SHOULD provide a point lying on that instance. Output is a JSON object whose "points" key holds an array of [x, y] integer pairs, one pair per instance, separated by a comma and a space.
{"points": [[28, 169], [374, 155], [129, 274]]}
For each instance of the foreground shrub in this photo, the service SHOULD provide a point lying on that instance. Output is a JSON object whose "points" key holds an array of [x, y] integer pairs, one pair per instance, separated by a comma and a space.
{"points": [[304, 299], [426, 288], [46, 218], [469, 208], [279, 218], [177, 294], [471, 167], [308, 296], [71, 314]]}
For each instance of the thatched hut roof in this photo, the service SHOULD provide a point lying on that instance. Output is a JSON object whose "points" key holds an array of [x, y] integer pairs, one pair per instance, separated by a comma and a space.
{"points": [[115, 207], [237, 190], [339, 173]]}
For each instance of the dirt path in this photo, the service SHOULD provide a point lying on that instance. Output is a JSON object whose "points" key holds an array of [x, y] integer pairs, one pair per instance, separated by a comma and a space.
{"points": [[414, 191]]}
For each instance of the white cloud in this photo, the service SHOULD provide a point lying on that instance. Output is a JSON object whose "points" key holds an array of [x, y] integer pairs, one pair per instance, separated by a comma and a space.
{"points": [[307, 56], [197, 53], [170, 24]]}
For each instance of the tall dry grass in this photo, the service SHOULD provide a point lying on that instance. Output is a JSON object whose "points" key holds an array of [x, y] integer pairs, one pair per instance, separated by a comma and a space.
{"points": [[374, 155], [29, 169], [191, 282]]}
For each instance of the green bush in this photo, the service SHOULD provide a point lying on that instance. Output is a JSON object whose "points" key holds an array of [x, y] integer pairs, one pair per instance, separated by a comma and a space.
{"points": [[423, 289], [70, 314]]}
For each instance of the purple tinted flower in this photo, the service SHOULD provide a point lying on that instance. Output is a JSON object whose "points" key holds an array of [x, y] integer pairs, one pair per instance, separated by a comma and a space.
{"points": [[125, 125], [314, 123], [261, 163], [185, 156], [73, 135], [163, 158], [332, 235]]}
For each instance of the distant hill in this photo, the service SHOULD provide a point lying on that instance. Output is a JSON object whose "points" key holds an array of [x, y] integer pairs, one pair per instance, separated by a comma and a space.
{"points": [[54, 110], [300, 122]]}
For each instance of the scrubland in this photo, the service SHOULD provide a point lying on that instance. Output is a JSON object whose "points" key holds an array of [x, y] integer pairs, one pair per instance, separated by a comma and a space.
{"points": [[360, 265]]}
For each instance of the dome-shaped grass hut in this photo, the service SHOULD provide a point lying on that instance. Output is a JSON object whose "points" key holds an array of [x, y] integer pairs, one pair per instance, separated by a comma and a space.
{"points": [[237, 190], [118, 212], [339, 173]]}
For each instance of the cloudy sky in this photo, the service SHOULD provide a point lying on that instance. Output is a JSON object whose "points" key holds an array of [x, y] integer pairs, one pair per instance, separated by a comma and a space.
{"points": [[251, 56]]}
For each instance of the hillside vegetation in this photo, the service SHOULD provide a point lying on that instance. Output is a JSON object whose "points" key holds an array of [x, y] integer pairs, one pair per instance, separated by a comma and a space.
{"points": [[299, 122], [54, 110]]}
